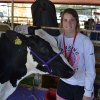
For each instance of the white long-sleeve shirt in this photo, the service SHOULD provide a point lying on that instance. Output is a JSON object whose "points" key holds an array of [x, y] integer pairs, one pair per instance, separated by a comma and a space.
{"points": [[83, 59]]}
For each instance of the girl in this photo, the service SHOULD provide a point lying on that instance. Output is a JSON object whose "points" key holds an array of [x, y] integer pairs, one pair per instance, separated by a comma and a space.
{"points": [[79, 51]]}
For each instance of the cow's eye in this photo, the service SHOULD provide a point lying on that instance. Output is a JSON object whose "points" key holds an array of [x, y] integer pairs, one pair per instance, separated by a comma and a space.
{"points": [[44, 50]]}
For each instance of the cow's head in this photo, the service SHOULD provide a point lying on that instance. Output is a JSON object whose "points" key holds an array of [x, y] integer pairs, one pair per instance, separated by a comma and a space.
{"points": [[21, 56], [45, 46]]}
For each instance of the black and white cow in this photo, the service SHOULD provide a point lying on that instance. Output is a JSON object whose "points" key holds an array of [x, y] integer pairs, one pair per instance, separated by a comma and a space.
{"points": [[20, 56]]}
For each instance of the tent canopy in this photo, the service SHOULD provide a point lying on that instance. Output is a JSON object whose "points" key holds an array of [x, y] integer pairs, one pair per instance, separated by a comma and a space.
{"points": [[83, 2]]}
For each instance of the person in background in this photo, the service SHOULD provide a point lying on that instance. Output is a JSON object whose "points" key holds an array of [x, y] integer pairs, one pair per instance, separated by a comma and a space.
{"points": [[97, 21], [79, 51]]}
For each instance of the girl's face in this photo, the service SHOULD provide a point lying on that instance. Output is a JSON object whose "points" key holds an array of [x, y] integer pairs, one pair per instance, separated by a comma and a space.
{"points": [[69, 24]]}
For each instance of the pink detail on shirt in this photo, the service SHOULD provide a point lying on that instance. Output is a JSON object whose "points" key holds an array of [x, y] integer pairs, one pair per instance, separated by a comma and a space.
{"points": [[75, 65]]}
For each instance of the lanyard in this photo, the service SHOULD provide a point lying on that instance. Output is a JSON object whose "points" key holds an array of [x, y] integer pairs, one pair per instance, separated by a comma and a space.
{"points": [[66, 55]]}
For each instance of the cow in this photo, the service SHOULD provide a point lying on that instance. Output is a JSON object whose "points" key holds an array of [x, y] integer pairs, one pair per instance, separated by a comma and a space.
{"points": [[44, 14], [22, 55]]}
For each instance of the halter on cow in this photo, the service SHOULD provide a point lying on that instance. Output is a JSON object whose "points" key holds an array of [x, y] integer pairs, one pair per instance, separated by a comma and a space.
{"points": [[17, 60]]}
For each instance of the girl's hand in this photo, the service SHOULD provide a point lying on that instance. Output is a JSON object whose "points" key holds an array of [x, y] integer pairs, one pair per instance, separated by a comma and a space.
{"points": [[86, 98]]}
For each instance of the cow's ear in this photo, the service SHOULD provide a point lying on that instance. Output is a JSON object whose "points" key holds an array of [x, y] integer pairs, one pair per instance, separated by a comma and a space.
{"points": [[13, 37], [53, 32], [31, 30]]}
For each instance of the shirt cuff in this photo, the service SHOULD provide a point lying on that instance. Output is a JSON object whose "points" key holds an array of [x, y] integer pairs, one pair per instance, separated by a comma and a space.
{"points": [[88, 93]]}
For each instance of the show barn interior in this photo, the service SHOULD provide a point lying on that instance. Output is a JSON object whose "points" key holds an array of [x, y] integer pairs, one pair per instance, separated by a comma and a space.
{"points": [[18, 12]]}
